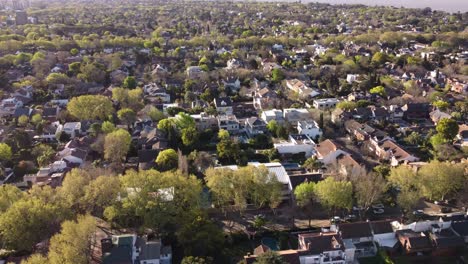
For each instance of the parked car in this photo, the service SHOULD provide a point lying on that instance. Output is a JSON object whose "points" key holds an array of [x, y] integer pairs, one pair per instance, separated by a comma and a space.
{"points": [[350, 218], [378, 211], [445, 210], [418, 213], [378, 206], [335, 220], [357, 208]]}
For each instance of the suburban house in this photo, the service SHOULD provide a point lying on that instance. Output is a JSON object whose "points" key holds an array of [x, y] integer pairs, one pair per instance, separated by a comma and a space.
{"points": [[309, 128], [156, 93], [457, 86], [228, 123], [264, 98], [301, 89], [73, 129], [357, 237], [328, 151], [321, 248], [297, 144], [232, 83], [204, 121], [325, 103], [294, 115], [438, 115], [50, 113], [416, 111], [131, 249], [360, 131], [384, 234], [255, 126], [387, 149], [395, 112], [269, 115], [414, 242], [194, 72], [223, 105]]}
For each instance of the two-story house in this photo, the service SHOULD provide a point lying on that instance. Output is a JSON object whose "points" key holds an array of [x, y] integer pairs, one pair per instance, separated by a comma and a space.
{"points": [[255, 126], [269, 115], [309, 128], [297, 144], [228, 123], [223, 105], [325, 103]]}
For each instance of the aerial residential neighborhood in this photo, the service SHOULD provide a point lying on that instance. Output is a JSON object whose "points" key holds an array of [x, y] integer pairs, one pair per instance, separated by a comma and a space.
{"points": [[206, 132]]}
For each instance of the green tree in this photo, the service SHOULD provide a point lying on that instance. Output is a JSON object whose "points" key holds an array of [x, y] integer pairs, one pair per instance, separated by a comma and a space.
{"points": [[270, 257], [117, 145], [334, 194], [277, 75], [9, 194], [90, 107], [346, 105], [127, 116], [304, 194], [369, 188], [23, 120], [196, 260], [44, 154], [100, 193], [189, 136], [442, 105], [107, 127], [155, 114], [379, 90], [74, 242], [130, 82], [27, 222], [447, 128], [312, 164], [74, 67], [74, 51], [438, 179], [379, 58], [35, 259], [223, 134], [36, 119], [5, 152], [167, 159], [272, 126], [200, 237], [406, 180]]}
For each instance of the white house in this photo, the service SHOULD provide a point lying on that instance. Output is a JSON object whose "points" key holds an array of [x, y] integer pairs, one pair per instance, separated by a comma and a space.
{"points": [[274, 114], [350, 78], [322, 248], [325, 103], [309, 128], [73, 129], [297, 144], [228, 123]]}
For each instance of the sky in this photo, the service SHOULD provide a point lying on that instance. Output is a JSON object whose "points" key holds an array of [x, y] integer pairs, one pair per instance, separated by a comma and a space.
{"points": [[445, 5]]}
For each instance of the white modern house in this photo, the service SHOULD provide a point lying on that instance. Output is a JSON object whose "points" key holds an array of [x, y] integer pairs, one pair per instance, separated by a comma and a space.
{"points": [[325, 103], [309, 128], [297, 144]]}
